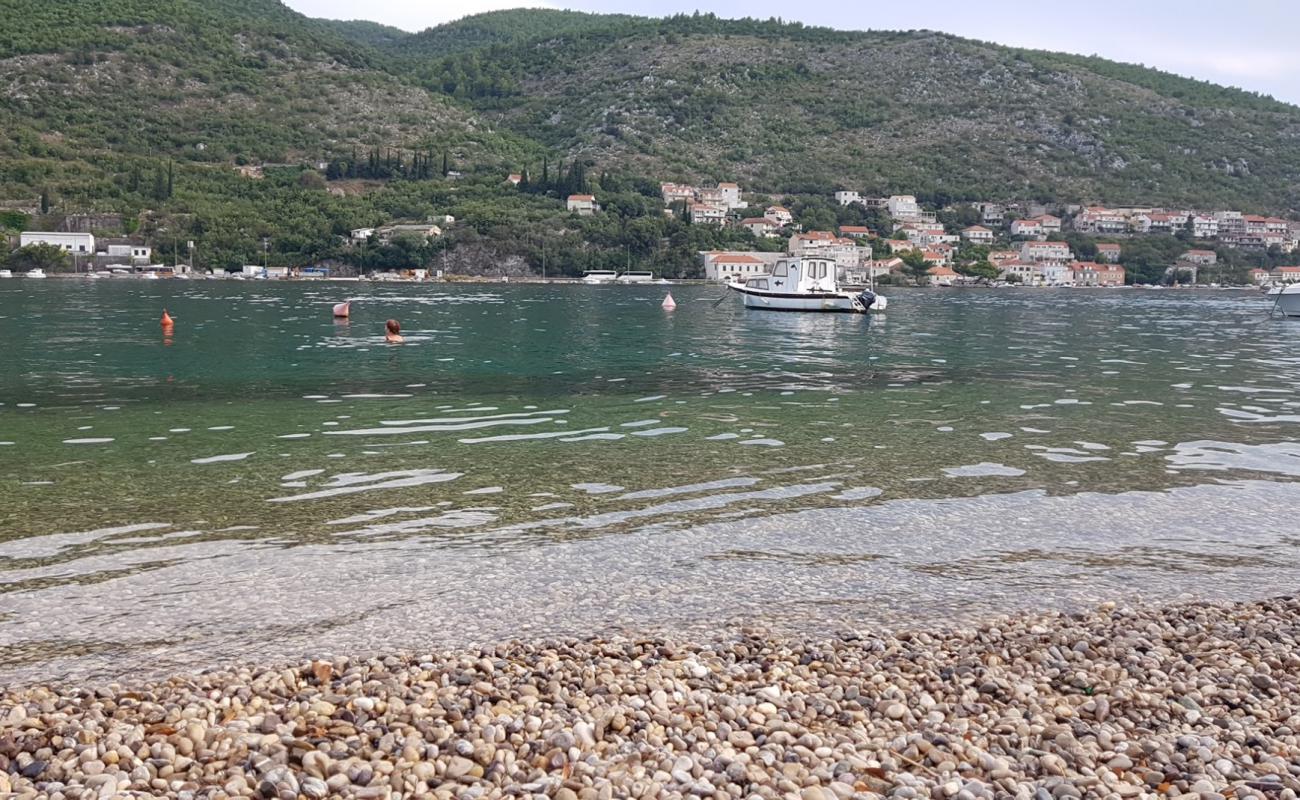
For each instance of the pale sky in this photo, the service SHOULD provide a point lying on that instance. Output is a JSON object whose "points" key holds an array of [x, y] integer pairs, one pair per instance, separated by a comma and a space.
{"points": [[1252, 44]]}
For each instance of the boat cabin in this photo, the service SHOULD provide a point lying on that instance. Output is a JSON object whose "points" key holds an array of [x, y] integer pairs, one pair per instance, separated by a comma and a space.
{"points": [[803, 276]]}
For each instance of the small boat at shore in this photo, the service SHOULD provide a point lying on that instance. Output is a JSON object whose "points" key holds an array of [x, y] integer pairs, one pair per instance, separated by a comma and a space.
{"points": [[596, 276], [805, 284], [35, 273], [4, 273], [1286, 299]]}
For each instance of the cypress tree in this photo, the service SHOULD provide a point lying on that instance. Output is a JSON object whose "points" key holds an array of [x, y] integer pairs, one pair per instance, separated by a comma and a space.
{"points": [[170, 182], [45, 201], [445, 170]]}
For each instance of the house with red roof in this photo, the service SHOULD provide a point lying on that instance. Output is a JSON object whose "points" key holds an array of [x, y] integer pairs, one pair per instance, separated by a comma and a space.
{"points": [[1030, 228], [940, 276], [977, 234], [760, 226], [582, 204], [780, 215], [1286, 275]]}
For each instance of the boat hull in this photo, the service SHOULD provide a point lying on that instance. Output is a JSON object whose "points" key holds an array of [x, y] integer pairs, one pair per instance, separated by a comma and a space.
{"points": [[1288, 301], [828, 302]]}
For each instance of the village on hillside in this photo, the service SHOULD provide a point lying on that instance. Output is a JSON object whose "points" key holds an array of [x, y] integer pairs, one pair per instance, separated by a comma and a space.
{"points": [[876, 240], [1011, 242]]}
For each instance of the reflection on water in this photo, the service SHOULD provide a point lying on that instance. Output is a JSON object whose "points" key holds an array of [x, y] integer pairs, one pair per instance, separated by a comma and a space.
{"points": [[272, 482]]}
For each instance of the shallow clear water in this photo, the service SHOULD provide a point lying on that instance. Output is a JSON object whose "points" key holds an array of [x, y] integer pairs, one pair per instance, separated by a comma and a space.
{"points": [[542, 460]]}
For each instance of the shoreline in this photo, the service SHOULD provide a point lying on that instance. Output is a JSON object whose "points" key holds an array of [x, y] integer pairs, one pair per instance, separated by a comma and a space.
{"points": [[569, 281], [1199, 700]]}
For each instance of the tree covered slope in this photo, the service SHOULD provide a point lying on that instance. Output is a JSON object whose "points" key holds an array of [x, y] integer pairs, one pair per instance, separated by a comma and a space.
{"points": [[90, 90]]}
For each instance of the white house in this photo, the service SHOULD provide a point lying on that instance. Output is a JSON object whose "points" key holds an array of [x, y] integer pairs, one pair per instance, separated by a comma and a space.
{"points": [[940, 276], [676, 193], [760, 226], [1286, 275], [1231, 225], [780, 215], [977, 234], [1045, 251], [1031, 228], [1101, 220], [1049, 223], [1019, 271], [730, 196], [704, 214], [136, 253], [846, 198], [1057, 274], [727, 266], [811, 243], [1205, 226], [1259, 277], [903, 207], [855, 231], [75, 243], [1205, 257], [361, 235], [583, 204]]}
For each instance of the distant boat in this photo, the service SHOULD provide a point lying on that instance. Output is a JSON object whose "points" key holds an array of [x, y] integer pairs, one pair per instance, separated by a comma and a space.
{"points": [[4, 273], [636, 276], [599, 276], [35, 273], [804, 284], [1286, 299]]}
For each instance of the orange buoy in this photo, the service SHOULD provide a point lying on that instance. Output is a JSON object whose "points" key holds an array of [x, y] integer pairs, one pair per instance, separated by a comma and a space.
{"points": [[343, 309], [167, 321], [669, 303]]}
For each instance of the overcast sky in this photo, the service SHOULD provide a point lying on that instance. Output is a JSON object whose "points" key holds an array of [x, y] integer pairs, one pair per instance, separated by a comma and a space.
{"points": [[1254, 44]]}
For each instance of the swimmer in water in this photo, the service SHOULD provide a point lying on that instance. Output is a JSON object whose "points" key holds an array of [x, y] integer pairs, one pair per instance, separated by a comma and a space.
{"points": [[393, 332]]}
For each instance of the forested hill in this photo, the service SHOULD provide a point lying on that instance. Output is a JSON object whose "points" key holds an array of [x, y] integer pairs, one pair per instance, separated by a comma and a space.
{"points": [[786, 107], [93, 88]]}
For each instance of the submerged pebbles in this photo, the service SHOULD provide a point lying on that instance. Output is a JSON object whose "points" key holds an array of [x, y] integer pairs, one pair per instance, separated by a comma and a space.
{"points": [[1192, 701]]}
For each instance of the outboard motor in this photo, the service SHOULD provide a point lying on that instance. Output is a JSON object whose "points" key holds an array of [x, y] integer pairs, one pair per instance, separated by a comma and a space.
{"points": [[867, 298]]}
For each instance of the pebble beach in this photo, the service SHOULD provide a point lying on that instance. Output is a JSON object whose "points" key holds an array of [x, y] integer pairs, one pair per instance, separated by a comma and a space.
{"points": [[1188, 701]]}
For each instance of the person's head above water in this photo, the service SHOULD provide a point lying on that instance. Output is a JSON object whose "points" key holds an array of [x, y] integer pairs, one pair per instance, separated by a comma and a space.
{"points": [[393, 326]]}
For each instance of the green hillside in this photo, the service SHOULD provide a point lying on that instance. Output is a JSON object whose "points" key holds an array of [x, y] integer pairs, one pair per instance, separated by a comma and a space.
{"points": [[788, 107], [149, 109]]}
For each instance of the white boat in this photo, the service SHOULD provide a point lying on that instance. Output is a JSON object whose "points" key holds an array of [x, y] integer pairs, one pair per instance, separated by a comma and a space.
{"points": [[36, 273], [805, 284], [599, 276], [1286, 299], [4, 273], [636, 276]]}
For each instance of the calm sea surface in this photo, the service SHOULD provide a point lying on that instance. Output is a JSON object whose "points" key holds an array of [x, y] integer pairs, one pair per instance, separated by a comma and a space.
{"points": [[555, 460]]}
